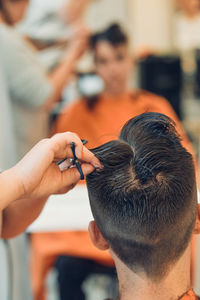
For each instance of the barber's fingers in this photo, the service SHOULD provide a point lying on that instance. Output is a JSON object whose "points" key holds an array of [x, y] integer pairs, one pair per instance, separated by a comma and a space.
{"points": [[65, 164], [71, 177], [61, 141], [40, 157], [89, 157], [62, 149]]}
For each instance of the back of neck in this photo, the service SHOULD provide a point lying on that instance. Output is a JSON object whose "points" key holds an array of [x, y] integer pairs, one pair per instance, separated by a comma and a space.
{"points": [[140, 287]]}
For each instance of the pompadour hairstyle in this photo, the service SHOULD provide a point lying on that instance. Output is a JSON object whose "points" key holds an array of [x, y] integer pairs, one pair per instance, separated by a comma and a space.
{"points": [[144, 201]]}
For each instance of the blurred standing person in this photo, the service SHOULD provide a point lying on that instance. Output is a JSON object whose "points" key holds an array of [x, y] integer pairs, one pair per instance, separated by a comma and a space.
{"points": [[187, 32], [53, 22], [187, 25], [32, 92], [32, 89]]}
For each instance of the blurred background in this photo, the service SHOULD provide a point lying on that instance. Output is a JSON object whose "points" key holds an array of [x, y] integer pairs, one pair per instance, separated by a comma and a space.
{"points": [[59, 62]]}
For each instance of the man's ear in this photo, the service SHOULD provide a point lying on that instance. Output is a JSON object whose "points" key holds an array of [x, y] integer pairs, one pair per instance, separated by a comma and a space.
{"points": [[197, 223], [96, 237]]}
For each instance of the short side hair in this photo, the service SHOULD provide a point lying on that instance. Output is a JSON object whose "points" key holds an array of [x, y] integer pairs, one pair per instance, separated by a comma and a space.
{"points": [[144, 201], [113, 34]]}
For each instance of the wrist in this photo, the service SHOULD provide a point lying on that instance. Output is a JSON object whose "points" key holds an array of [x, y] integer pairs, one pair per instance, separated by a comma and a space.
{"points": [[71, 56], [15, 183], [11, 189]]}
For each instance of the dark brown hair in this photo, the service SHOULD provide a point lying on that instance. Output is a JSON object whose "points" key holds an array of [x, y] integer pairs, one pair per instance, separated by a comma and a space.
{"points": [[144, 201], [113, 34]]}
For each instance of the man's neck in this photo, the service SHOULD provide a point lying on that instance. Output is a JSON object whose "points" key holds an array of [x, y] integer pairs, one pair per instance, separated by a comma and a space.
{"points": [[139, 287], [115, 94]]}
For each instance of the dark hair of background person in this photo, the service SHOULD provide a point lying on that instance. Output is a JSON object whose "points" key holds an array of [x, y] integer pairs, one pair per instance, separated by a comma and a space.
{"points": [[144, 201], [0, 4], [115, 36]]}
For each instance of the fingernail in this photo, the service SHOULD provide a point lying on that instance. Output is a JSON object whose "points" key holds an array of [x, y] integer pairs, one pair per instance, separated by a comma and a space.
{"points": [[99, 169], [98, 166]]}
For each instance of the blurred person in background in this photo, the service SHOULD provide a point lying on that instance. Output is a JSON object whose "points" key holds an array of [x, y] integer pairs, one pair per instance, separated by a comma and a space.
{"points": [[187, 33], [32, 89], [98, 119], [53, 21], [50, 26], [32, 92], [187, 25]]}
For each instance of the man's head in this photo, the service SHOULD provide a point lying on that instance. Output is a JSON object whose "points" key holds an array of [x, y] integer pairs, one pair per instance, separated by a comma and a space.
{"points": [[13, 11], [144, 201], [112, 58]]}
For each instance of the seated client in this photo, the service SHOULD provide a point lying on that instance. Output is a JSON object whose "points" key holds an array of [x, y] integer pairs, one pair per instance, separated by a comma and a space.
{"points": [[144, 203]]}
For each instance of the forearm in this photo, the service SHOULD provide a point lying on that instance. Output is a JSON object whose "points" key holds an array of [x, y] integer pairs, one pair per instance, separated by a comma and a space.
{"points": [[59, 78], [73, 11], [10, 188], [19, 215]]}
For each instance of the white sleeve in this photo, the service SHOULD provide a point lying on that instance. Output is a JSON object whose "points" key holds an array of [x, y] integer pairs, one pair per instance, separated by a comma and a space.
{"points": [[26, 78]]}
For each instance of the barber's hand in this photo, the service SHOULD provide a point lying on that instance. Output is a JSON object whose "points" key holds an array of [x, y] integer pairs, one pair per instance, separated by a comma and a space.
{"points": [[37, 173]]}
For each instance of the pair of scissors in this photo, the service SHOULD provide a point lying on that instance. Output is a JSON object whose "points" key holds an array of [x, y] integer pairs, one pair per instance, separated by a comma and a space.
{"points": [[74, 161]]}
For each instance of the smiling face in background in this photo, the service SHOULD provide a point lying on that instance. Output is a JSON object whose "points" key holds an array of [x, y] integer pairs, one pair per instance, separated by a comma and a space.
{"points": [[114, 65], [13, 11]]}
